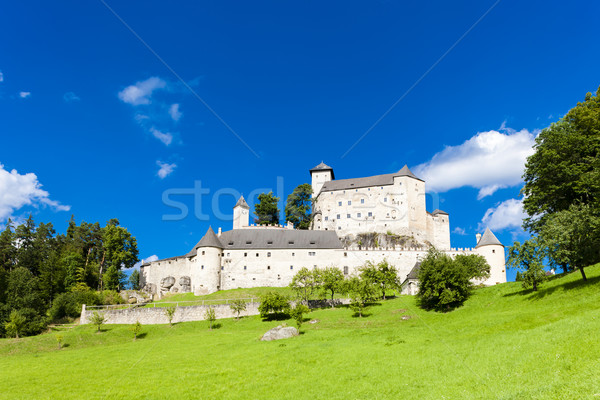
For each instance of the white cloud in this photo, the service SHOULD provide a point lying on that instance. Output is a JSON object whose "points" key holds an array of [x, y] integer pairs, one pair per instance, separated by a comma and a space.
{"points": [[174, 112], [164, 137], [70, 97], [165, 169], [488, 161], [138, 264], [24, 95], [18, 190], [141, 92], [508, 214], [459, 231], [1, 77]]}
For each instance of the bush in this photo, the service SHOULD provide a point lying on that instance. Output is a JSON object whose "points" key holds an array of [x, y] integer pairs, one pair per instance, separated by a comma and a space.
{"points": [[69, 304], [98, 319], [298, 313], [274, 305]]}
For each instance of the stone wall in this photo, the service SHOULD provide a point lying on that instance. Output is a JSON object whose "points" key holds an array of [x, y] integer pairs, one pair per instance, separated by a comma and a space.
{"points": [[157, 315]]}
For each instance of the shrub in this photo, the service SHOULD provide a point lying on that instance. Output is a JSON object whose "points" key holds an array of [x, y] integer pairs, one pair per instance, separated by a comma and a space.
{"points": [[16, 324], [136, 329], [98, 319], [298, 313], [237, 306], [170, 313], [210, 316], [69, 304]]}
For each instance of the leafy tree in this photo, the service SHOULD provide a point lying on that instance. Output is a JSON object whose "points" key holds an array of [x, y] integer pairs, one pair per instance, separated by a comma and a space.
{"points": [[562, 187], [97, 319], [273, 304], [136, 329], [305, 283], [444, 283], [572, 237], [60, 340], [298, 209], [119, 250], [266, 211], [361, 291], [297, 313], [170, 313], [16, 324], [528, 257], [332, 281], [210, 316], [237, 306], [73, 264], [475, 265], [134, 280], [382, 275]]}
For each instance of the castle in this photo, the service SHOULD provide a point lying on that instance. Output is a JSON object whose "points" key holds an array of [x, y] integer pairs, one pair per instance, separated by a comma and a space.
{"points": [[375, 218]]}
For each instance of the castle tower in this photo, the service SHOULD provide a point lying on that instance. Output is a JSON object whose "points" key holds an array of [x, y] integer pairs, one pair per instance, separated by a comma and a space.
{"points": [[241, 214], [490, 247], [206, 275], [320, 174]]}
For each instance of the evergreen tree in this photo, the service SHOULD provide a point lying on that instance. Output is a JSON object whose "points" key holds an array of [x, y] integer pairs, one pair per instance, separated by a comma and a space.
{"points": [[266, 211], [298, 209]]}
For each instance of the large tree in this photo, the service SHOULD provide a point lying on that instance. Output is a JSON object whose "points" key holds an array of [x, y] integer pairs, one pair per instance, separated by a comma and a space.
{"points": [[266, 211], [298, 209], [562, 185]]}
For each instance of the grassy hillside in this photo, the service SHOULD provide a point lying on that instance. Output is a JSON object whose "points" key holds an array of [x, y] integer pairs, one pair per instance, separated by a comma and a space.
{"points": [[504, 343]]}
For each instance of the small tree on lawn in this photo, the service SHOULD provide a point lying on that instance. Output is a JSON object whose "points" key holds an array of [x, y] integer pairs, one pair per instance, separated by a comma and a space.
{"points": [[210, 316], [136, 329], [16, 324], [98, 319], [298, 312], [361, 292], [304, 283], [332, 280], [237, 306], [273, 304], [170, 313], [59, 340], [528, 257]]}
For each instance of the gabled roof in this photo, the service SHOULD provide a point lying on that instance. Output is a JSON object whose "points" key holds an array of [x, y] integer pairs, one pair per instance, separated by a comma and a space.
{"points": [[323, 167], [488, 238], [209, 240], [279, 238], [377, 180], [242, 203], [414, 272], [435, 212]]}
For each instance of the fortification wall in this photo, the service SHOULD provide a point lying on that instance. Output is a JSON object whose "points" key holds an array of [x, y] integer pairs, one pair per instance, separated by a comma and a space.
{"points": [[157, 315]]}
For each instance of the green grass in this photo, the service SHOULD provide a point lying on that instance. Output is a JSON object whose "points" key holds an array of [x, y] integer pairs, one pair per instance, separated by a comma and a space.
{"points": [[504, 343]]}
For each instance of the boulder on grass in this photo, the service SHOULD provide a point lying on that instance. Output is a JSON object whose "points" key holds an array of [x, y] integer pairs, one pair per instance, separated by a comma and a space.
{"points": [[280, 332]]}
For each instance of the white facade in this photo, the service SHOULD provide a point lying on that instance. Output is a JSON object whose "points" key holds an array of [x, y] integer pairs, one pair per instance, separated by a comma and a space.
{"points": [[390, 208]]}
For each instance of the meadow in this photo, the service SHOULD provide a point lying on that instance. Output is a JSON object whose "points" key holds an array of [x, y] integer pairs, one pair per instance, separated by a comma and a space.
{"points": [[504, 343]]}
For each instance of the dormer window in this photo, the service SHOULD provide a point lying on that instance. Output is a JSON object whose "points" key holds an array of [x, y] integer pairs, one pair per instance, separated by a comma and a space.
{"points": [[291, 242], [248, 241], [270, 242], [312, 242], [231, 243]]}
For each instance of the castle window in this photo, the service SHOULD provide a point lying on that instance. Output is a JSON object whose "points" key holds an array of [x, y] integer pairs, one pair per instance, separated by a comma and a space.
{"points": [[245, 267], [228, 254], [349, 202], [291, 242], [312, 253], [493, 251], [326, 218], [268, 267], [358, 215], [291, 267], [293, 254], [370, 214], [222, 268], [256, 254], [270, 242], [362, 201], [369, 189], [269, 254], [339, 228], [345, 254], [253, 279], [203, 252], [245, 254], [338, 216], [202, 267], [231, 243], [339, 203], [248, 241], [347, 215], [385, 199], [345, 270], [312, 242]]}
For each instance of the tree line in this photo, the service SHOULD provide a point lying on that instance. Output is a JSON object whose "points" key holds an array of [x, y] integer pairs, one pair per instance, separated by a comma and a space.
{"points": [[45, 276]]}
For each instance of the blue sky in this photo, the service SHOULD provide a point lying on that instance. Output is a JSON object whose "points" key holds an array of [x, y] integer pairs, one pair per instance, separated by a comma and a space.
{"points": [[103, 112]]}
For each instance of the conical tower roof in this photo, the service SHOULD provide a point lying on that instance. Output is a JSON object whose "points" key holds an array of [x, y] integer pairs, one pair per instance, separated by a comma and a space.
{"points": [[488, 238], [405, 171], [323, 167], [209, 240], [242, 203]]}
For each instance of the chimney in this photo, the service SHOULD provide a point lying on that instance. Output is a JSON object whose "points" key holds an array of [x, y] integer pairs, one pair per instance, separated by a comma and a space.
{"points": [[219, 233], [478, 237]]}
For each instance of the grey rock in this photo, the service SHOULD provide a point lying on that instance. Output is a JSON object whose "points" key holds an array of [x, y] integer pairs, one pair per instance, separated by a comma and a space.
{"points": [[167, 282], [280, 332]]}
